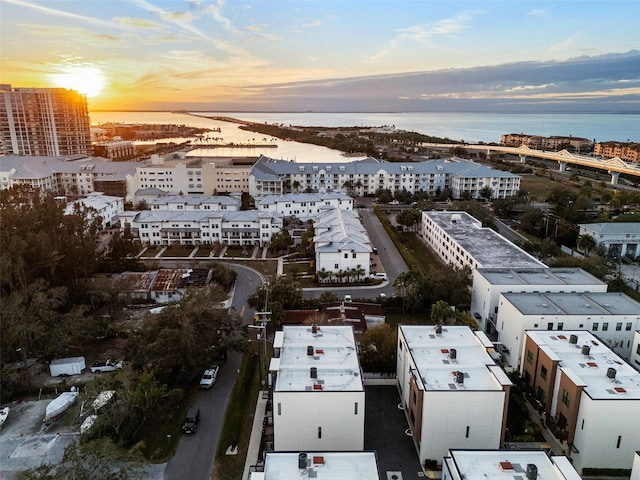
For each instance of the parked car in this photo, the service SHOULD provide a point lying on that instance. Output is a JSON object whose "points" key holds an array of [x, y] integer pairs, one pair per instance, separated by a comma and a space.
{"points": [[191, 421], [108, 366], [380, 276], [347, 298], [209, 377]]}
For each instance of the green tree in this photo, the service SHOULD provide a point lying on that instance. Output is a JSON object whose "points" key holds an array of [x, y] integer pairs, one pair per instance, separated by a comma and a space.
{"points": [[586, 243], [485, 193], [378, 349], [281, 241], [441, 313]]}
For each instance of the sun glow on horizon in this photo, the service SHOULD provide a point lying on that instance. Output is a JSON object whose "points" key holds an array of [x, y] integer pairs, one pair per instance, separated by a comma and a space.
{"points": [[87, 80]]}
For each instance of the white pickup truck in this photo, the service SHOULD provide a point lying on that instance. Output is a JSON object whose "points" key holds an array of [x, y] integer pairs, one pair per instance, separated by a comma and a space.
{"points": [[108, 366]]}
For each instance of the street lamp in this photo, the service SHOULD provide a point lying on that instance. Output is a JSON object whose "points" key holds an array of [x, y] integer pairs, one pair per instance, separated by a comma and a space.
{"points": [[263, 357]]}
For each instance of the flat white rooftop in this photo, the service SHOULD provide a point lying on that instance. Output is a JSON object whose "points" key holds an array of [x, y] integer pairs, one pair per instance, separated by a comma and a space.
{"points": [[596, 303], [508, 464], [590, 370], [320, 465], [330, 350], [433, 355], [539, 276], [488, 248]]}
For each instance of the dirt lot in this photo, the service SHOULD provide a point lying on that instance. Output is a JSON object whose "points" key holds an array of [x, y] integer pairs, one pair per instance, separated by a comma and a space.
{"points": [[26, 443]]}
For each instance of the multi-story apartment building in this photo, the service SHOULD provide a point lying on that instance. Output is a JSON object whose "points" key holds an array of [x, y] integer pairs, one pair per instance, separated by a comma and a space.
{"points": [[365, 177], [44, 122], [318, 394], [191, 203], [249, 227], [96, 204], [618, 239], [462, 241], [452, 392], [318, 465], [304, 206], [342, 245], [506, 465], [591, 397], [629, 152], [194, 175], [69, 176], [489, 283], [539, 142], [613, 316], [634, 361]]}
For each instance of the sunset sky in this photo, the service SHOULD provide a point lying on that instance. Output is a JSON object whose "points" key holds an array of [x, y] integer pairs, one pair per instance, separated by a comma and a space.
{"points": [[319, 54]]}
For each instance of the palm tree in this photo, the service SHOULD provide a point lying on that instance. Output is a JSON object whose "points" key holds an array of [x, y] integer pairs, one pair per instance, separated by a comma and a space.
{"points": [[585, 243]]}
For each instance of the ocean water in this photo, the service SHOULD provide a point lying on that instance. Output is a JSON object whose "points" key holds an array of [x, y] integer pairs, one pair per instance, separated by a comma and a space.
{"points": [[470, 127]]}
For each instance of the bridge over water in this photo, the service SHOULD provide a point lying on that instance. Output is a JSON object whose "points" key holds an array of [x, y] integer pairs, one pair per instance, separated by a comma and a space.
{"points": [[613, 166]]}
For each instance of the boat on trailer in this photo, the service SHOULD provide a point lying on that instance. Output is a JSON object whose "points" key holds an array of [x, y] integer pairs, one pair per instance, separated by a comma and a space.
{"points": [[60, 405]]}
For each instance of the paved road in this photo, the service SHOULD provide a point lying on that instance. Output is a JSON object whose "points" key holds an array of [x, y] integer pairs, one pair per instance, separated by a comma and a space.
{"points": [[195, 453]]}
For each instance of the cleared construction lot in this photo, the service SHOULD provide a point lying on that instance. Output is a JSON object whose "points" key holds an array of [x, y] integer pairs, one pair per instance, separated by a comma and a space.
{"points": [[26, 443]]}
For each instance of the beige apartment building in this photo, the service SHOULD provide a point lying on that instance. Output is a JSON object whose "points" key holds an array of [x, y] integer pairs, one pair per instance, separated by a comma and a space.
{"points": [[629, 152]]}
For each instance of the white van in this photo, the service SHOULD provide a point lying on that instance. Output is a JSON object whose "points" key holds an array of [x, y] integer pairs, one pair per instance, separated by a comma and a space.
{"points": [[380, 276]]}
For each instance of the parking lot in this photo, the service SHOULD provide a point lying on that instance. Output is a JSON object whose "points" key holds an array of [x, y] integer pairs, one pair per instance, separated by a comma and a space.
{"points": [[25, 444]]}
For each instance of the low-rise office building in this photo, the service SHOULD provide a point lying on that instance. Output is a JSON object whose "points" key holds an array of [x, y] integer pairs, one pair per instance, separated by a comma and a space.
{"points": [[618, 239], [318, 393], [304, 206], [489, 283], [452, 392], [589, 394], [613, 316], [461, 240], [506, 465], [320, 465], [115, 150]]}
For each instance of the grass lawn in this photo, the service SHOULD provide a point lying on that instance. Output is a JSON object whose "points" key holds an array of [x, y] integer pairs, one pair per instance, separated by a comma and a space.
{"points": [[539, 187], [178, 251], [203, 251], [238, 251], [297, 267], [239, 418]]}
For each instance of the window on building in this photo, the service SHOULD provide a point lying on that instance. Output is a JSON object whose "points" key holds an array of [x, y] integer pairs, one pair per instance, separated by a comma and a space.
{"points": [[605, 326], [346, 255], [529, 356], [618, 326], [355, 408], [336, 266], [594, 327], [550, 326], [560, 325], [619, 441], [467, 432], [628, 326], [319, 432], [543, 372], [566, 397]]}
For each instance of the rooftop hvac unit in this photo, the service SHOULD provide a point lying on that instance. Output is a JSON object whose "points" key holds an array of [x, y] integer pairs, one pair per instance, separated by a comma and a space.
{"points": [[302, 461], [586, 350], [313, 372], [611, 373], [438, 329], [310, 350], [573, 339], [453, 354], [532, 471], [314, 329], [459, 377]]}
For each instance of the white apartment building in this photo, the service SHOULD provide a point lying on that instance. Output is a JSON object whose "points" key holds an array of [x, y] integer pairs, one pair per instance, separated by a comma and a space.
{"points": [[193, 175], [364, 177], [318, 394], [635, 471], [341, 244], [489, 283], [506, 465], [193, 203], [453, 394], [206, 227], [612, 316], [97, 204], [590, 395], [304, 206], [617, 238], [634, 361], [319, 465], [43, 122], [69, 176], [461, 240]]}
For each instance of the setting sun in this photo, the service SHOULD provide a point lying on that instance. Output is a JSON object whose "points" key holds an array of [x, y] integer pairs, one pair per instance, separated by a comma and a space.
{"points": [[86, 80]]}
